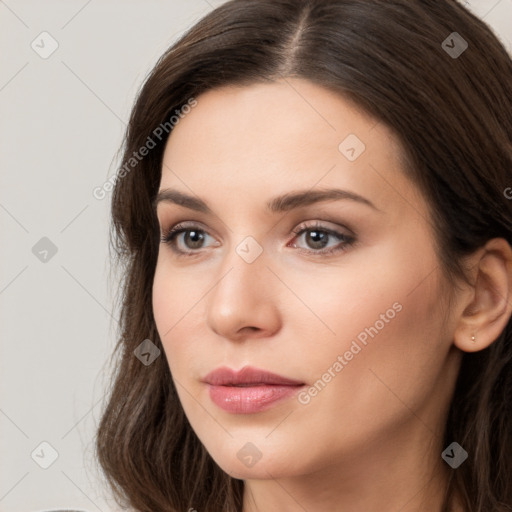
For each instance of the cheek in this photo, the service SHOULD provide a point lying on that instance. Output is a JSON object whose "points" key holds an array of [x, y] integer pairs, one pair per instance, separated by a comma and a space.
{"points": [[368, 287], [388, 334], [170, 305], [178, 299], [163, 300], [173, 295], [382, 309]]}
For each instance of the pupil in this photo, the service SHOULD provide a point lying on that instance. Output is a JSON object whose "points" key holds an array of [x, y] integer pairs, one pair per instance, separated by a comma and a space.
{"points": [[317, 234]]}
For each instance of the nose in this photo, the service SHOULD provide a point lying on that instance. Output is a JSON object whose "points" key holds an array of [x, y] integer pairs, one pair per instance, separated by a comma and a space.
{"points": [[243, 302]]}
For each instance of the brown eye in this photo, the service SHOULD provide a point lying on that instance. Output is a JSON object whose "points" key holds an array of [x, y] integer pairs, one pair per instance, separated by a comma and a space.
{"points": [[193, 239], [317, 238], [185, 239]]}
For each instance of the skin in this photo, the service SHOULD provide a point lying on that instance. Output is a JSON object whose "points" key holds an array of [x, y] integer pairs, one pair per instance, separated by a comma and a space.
{"points": [[371, 438]]}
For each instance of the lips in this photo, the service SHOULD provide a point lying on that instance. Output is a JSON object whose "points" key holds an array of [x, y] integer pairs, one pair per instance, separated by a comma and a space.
{"points": [[247, 376], [249, 390]]}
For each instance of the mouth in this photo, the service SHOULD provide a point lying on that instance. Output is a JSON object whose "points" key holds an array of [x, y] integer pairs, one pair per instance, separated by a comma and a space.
{"points": [[247, 385], [248, 376], [249, 390]]}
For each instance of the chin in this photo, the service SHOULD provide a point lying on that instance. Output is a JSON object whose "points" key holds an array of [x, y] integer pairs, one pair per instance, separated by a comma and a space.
{"points": [[243, 459]]}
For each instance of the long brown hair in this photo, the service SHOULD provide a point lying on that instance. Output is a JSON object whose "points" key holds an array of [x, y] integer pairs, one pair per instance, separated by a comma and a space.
{"points": [[453, 116]]}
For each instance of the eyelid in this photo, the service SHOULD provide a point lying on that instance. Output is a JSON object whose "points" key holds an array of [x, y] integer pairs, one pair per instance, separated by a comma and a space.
{"points": [[320, 225]]}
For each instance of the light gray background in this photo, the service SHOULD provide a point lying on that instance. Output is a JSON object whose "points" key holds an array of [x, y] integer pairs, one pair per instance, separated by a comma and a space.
{"points": [[62, 121]]}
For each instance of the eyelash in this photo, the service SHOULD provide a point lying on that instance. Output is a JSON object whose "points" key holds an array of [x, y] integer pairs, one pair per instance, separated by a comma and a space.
{"points": [[169, 238]]}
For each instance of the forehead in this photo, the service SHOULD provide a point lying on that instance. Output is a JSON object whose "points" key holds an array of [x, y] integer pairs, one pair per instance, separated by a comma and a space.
{"points": [[272, 137], [272, 115]]}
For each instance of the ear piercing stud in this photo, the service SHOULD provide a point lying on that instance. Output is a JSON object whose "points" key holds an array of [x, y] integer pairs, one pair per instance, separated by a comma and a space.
{"points": [[473, 339]]}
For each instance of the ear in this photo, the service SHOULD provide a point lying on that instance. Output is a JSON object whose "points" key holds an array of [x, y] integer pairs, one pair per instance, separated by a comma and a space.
{"points": [[489, 304]]}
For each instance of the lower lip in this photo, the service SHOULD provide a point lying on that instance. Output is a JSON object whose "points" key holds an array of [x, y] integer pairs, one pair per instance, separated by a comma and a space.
{"points": [[250, 399]]}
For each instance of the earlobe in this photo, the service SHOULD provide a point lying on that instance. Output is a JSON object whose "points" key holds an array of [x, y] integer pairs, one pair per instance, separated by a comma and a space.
{"points": [[489, 309]]}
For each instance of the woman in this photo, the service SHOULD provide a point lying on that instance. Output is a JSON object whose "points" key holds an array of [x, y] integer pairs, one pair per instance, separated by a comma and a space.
{"points": [[313, 215]]}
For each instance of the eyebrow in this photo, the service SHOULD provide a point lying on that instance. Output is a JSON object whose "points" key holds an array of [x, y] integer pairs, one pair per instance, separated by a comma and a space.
{"points": [[283, 203]]}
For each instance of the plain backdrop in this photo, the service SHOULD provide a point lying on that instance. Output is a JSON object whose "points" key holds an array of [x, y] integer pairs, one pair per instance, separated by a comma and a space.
{"points": [[69, 72]]}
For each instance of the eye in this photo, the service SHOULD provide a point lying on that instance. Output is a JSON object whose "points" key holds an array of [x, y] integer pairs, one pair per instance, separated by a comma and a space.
{"points": [[193, 239], [318, 238], [187, 239]]}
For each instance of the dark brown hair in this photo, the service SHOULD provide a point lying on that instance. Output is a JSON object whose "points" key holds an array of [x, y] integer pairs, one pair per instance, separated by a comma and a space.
{"points": [[453, 117]]}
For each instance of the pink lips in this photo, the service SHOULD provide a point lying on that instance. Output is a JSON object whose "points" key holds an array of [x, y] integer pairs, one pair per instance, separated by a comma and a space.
{"points": [[249, 390]]}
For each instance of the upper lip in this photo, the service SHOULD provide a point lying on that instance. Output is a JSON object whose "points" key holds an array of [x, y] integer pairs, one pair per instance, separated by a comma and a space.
{"points": [[225, 376]]}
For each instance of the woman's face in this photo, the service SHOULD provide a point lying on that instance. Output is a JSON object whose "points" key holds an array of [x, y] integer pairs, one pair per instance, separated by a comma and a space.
{"points": [[338, 291]]}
